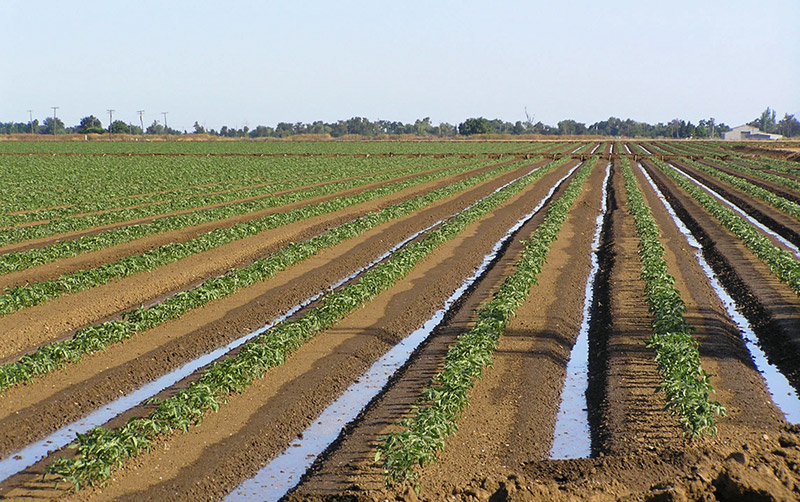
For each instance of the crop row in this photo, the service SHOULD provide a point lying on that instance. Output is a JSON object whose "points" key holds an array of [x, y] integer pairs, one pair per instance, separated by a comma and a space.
{"points": [[33, 257], [761, 173], [247, 188], [54, 227], [98, 337], [222, 148], [443, 401], [686, 386], [773, 165], [39, 182], [100, 450], [780, 261], [19, 297], [776, 201]]}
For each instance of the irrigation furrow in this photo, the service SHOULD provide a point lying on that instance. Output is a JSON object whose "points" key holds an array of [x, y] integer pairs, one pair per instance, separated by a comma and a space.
{"points": [[783, 394], [66, 226], [31, 294], [239, 342], [572, 436], [283, 472], [741, 212], [178, 304]]}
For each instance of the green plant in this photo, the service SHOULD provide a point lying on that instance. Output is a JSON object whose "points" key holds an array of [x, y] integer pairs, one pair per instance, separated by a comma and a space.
{"points": [[435, 416]]}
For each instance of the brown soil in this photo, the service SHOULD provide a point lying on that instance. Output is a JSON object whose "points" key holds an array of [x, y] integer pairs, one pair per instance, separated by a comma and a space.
{"points": [[502, 447], [61, 397], [274, 410], [642, 455], [56, 319], [45, 241], [776, 188], [772, 308], [782, 223]]}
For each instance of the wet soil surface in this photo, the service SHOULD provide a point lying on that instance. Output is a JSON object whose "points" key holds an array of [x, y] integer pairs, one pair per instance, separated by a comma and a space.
{"points": [[502, 447]]}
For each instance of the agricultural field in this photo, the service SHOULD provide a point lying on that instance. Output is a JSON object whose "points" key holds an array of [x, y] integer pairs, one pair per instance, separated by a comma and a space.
{"points": [[464, 320]]}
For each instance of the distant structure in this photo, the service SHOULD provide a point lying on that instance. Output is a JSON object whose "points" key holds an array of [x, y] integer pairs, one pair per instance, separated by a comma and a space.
{"points": [[744, 132]]}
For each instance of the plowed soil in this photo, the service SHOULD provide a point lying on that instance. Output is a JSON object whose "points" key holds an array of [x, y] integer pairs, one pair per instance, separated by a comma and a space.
{"points": [[60, 317], [502, 448]]}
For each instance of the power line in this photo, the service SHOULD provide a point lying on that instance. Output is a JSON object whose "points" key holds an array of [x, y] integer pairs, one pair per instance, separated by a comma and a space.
{"points": [[30, 113], [166, 128], [141, 120]]}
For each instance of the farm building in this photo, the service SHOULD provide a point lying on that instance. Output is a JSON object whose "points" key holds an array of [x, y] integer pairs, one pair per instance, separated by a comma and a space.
{"points": [[748, 132]]}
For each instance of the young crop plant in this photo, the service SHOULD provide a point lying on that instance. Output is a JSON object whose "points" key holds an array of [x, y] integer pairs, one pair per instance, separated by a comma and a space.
{"points": [[261, 197], [780, 261], [18, 298], [95, 338], [100, 450], [776, 201], [763, 173], [686, 386], [21, 260], [446, 397]]}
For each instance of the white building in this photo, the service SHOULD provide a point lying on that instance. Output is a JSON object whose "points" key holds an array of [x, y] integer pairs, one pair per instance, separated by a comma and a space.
{"points": [[744, 132]]}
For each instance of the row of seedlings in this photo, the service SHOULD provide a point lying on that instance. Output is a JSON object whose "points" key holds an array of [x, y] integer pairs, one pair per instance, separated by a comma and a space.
{"points": [[95, 338], [443, 401], [99, 451]]}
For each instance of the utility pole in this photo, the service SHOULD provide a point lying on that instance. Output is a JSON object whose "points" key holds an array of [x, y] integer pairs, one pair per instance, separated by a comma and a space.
{"points": [[54, 118], [166, 129], [30, 114], [141, 120], [110, 117]]}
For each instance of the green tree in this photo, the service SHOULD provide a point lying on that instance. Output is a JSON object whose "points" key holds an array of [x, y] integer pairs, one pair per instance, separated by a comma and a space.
{"points": [[119, 127], [472, 126], [767, 122], [49, 126], [789, 126], [155, 128], [90, 125]]}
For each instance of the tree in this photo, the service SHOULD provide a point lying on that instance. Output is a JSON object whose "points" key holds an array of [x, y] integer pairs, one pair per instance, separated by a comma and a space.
{"points": [[155, 128], [48, 126], [570, 128], [423, 127], [284, 130], [446, 129], [90, 125], [789, 126], [198, 129], [119, 127], [767, 122], [472, 126]]}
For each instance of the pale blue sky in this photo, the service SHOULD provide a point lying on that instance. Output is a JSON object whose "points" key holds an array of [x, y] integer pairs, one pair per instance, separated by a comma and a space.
{"points": [[241, 63]]}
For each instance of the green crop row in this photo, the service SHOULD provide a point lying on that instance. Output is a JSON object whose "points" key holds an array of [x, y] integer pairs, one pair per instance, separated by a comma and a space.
{"points": [[20, 297], [774, 165], [100, 450], [340, 147], [58, 226], [686, 386], [98, 337], [635, 148], [445, 398], [41, 183], [120, 203], [11, 262], [785, 205], [762, 173], [780, 261]]}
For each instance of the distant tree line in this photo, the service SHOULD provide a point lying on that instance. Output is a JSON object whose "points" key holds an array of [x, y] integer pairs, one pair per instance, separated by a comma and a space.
{"points": [[359, 126]]}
